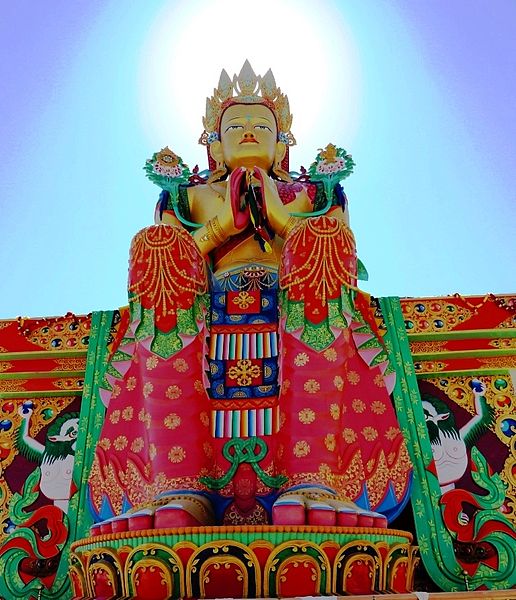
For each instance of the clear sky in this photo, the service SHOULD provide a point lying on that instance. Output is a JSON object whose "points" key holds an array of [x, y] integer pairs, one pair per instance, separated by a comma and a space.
{"points": [[422, 93]]}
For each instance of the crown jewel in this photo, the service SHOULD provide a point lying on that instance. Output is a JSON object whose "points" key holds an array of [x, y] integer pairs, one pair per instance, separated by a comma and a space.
{"points": [[247, 88]]}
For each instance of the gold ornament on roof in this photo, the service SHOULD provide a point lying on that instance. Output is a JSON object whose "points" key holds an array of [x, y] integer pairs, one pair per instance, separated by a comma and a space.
{"points": [[247, 88]]}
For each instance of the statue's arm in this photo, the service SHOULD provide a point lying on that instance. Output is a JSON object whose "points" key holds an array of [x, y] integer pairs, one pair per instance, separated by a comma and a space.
{"points": [[26, 445]]}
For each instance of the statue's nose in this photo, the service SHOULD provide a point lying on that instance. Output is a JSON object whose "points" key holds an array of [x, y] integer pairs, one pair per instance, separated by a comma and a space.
{"points": [[248, 135]]}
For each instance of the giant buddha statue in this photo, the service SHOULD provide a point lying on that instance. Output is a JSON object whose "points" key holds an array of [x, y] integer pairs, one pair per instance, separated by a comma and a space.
{"points": [[250, 384]]}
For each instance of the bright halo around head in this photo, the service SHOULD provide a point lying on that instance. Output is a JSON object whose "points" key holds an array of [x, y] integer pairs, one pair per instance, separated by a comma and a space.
{"points": [[307, 45]]}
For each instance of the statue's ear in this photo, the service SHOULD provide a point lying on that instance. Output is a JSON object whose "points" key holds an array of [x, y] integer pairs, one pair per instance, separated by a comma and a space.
{"points": [[277, 169], [216, 152], [279, 155]]}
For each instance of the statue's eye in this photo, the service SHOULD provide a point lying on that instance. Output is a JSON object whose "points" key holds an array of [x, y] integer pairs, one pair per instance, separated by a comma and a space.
{"points": [[233, 127], [264, 127]]}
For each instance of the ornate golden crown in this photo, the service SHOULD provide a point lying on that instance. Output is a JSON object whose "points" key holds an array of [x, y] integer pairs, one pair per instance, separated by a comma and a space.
{"points": [[247, 88]]}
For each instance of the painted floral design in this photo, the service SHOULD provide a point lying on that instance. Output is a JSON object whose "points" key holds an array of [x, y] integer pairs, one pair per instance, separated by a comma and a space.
{"points": [[151, 363], [137, 444], [391, 433], [105, 443], [358, 405], [338, 382], [180, 365], [130, 384], [378, 407], [172, 421], [370, 433], [379, 380], [348, 435], [173, 392], [127, 413], [312, 386], [335, 411], [120, 442], [330, 442], [330, 354], [301, 449], [353, 377], [148, 388], [306, 416], [301, 359], [176, 454]]}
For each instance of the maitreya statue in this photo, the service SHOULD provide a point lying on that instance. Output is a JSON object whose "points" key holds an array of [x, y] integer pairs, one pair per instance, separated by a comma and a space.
{"points": [[250, 385]]}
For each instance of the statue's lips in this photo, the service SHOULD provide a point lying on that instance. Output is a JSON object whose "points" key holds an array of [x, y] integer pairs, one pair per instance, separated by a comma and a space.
{"points": [[249, 141]]}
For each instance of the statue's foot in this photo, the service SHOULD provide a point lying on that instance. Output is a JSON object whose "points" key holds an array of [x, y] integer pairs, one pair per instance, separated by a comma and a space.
{"points": [[170, 509], [321, 507], [184, 510]]}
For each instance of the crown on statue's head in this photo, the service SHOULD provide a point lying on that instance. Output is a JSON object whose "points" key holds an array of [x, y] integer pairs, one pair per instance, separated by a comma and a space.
{"points": [[247, 88]]}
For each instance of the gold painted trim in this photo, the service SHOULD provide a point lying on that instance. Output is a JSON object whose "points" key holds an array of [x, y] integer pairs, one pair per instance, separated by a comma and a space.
{"points": [[29, 354], [43, 374]]}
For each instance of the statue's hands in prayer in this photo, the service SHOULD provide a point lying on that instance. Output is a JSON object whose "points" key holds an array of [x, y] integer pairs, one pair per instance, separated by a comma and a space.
{"points": [[277, 215], [234, 216]]}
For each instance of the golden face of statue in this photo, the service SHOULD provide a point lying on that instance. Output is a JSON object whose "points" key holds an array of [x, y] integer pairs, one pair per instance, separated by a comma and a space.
{"points": [[248, 136]]}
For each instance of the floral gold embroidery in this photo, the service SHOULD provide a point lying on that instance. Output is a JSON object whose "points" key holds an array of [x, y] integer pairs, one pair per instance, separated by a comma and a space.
{"points": [[198, 386], [379, 380], [338, 382], [151, 363], [391, 433], [358, 405], [301, 449], [176, 454], [105, 443], [205, 419], [173, 392], [114, 417], [306, 416], [208, 449], [370, 433], [330, 442], [130, 384], [335, 411], [312, 386], [353, 377], [378, 407], [330, 354], [152, 451], [348, 435], [147, 389], [120, 442], [137, 444], [180, 365], [172, 421], [127, 413], [301, 359], [145, 418], [116, 391]]}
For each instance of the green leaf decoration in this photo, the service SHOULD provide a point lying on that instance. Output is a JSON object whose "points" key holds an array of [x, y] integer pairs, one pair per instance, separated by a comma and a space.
{"points": [[331, 166], [167, 170]]}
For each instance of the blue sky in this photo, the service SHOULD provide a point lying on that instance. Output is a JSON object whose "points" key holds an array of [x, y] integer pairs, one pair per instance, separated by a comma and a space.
{"points": [[421, 94]]}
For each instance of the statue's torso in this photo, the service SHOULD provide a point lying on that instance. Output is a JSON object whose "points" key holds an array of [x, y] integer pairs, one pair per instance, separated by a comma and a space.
{"points": [[206, 202]]}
